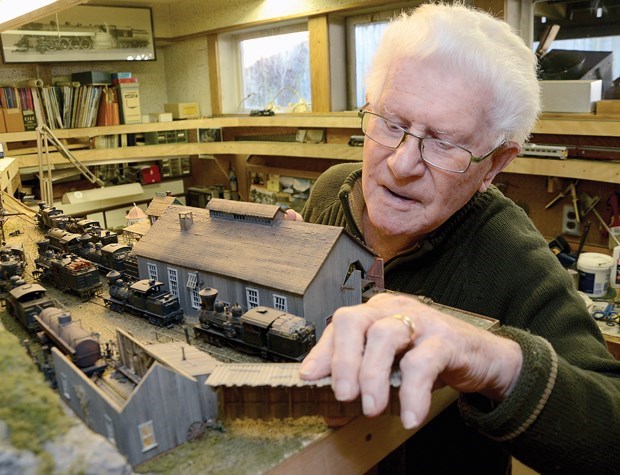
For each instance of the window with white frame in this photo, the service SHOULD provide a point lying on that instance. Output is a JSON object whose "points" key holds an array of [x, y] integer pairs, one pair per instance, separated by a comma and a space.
{"points": [[147, 436], [173, 281], [192, 280], [280, 302], [152, 271], [270, 69], [364, 33], [195, 298], [251, 296]]}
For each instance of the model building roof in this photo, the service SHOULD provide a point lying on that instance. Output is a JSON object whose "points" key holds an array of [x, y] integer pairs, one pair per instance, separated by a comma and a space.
{"points": [[159, 204], [270, 374], [280, 254]]}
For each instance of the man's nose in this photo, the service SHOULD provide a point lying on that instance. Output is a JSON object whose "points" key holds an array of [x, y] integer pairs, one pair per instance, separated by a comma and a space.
{"points": [[406, 160]]}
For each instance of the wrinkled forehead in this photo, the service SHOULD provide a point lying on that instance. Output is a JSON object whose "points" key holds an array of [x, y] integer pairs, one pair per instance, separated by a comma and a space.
{"points": [[439, 98]]}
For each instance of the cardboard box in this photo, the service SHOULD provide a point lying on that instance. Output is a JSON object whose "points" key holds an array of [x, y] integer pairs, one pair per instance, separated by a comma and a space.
{"points": [[129, 98], [608, 107], [160, 117], [571, 96], [183, 110], [13, 120]]}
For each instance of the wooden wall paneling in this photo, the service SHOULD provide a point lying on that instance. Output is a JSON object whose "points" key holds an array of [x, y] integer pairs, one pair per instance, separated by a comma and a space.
{"points": [[318, 29], [214, 75]]}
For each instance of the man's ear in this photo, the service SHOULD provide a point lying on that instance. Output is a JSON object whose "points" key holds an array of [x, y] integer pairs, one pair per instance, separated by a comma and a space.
{"points": [[500, 160]]}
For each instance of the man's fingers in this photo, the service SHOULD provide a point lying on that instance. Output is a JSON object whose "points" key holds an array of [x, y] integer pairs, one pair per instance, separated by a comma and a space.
{"points": [[385, 338]]}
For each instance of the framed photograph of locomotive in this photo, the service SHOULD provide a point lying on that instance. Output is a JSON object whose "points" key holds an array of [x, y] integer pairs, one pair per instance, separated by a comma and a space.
{"points": [[83, 33]]}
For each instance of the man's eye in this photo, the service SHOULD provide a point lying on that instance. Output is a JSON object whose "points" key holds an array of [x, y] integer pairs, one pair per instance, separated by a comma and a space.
{"points": [[392, 127]]}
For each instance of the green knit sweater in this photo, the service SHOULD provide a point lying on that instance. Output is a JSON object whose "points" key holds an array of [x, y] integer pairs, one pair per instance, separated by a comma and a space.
{"points": [[564, 413]]}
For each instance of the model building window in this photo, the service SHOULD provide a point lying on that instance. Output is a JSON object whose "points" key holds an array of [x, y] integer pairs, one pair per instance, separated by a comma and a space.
{"points": [[192, 280], [109, 428], [280, 303], [147, 436], [270, 69], [152, 271], [173, 281], [195, 298], [252, 297], [65, 386]]}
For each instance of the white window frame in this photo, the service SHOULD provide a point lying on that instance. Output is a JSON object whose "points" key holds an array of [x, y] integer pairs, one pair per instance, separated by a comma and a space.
{"points": [[251, 297], [173, 281], [151, 269], [147, 436], [195, 298], [280, 302], [192, 280], [351, 22], [231, 81]]}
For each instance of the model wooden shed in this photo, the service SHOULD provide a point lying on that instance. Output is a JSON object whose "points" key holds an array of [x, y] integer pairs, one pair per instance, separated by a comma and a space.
{"points": [[252, 256], [150, 405]]}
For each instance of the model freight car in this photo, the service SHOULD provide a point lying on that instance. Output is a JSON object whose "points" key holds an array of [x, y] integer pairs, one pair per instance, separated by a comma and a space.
{"points": [[145, 298], [264, 331], [74, 341], [68, 272]]}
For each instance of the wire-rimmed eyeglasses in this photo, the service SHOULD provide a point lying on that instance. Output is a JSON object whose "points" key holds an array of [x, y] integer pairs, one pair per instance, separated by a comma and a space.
{"points": [[437, 153]]}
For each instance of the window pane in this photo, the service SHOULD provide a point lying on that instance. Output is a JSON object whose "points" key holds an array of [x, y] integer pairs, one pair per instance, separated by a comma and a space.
{"points": [[276, 69], [367, 37]]}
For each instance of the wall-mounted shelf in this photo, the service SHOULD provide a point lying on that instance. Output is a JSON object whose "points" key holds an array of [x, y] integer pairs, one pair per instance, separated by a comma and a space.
{"points": [[339, 127]]}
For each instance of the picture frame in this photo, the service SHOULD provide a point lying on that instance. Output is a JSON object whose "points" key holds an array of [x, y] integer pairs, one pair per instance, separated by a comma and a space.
{"points": [[83, 33]]}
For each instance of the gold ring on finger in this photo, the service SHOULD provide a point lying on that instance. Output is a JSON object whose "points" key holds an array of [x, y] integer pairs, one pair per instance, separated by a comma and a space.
{"points": [[407, 322]]}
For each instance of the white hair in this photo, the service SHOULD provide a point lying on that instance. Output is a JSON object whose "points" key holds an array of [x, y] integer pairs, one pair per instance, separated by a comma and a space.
{"points": [[473, 43]]}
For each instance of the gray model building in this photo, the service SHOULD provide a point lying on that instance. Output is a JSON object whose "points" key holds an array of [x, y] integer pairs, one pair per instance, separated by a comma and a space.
{"points": [[253, 257]]}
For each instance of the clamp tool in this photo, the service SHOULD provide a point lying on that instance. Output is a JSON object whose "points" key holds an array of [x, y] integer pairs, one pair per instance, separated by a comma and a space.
{"points": [[572, 189]]}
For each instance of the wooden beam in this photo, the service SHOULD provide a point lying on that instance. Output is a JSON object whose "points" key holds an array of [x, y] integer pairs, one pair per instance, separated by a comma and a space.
{"points": [[214, 75], [318, 30]]}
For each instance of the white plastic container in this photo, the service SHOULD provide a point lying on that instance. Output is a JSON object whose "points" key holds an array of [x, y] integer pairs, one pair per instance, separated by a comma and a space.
{"points": [[615, 269], [594, 273]]}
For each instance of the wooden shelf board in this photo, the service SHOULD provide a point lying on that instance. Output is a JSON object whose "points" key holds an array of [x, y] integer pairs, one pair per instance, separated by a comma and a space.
{"points": [[595, 170]]}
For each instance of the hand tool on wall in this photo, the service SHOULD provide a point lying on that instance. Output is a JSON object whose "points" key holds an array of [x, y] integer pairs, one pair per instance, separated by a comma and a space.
{"points": [[590, 205], [572, 190]]}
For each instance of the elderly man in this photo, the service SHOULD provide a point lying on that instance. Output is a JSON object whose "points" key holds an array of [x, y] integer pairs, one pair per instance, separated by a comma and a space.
{"points": [[452, 95]]}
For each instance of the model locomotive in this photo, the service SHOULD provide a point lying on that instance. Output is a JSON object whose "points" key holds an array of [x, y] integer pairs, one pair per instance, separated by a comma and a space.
{"points": [[71, 339], [12, 264], [265, 331], [144, 298]]}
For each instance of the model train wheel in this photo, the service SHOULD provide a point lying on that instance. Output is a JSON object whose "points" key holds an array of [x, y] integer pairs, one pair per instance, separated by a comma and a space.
{"points": [[195, 431]]}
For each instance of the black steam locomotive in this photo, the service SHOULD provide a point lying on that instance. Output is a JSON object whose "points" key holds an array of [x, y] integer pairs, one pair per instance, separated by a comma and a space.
{"points": [[12, 263], [263, 331], [144, 298], [71, 339], [68, 272]]}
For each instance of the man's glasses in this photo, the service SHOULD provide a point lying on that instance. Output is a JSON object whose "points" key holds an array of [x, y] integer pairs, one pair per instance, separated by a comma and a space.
{"points": [[437, 153]]}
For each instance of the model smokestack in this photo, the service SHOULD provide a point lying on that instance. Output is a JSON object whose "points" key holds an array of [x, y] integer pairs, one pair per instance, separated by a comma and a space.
{"points": [[186, 220]]}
